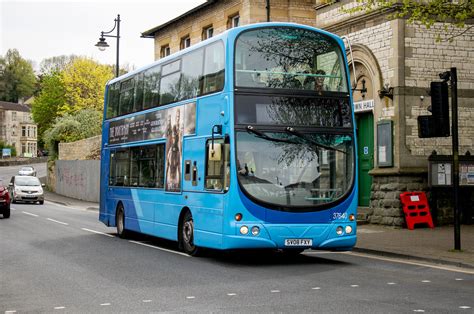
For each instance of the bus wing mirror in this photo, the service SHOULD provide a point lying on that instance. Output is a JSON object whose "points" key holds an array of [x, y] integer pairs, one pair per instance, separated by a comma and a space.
{"points": [[215, 153]]}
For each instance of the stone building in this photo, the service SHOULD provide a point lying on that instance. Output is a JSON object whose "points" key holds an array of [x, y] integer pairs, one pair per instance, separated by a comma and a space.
{"points": [[394, 62], [18, 129]]}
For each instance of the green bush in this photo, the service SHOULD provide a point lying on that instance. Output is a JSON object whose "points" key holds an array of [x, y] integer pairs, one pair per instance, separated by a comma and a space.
{"points": [[73, 127]]}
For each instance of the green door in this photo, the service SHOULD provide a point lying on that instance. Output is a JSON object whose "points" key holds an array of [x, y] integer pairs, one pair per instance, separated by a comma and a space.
{"points": [[365, 152]]}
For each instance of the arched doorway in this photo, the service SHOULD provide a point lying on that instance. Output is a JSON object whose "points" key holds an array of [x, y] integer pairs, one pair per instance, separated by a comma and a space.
{"points": [[364, 118]]}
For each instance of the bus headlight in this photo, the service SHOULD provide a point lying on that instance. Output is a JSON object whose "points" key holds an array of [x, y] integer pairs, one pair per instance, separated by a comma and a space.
{"points": [[339, 230], [351, 217], [348, 229], [244, 230], [255, 230]]}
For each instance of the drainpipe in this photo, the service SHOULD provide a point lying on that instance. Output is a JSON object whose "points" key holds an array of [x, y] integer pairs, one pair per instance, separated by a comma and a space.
{"points": [[268, 10]]}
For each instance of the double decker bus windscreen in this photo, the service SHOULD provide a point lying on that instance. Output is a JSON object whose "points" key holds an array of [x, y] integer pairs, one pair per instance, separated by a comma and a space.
{"points": [[289, 58]]}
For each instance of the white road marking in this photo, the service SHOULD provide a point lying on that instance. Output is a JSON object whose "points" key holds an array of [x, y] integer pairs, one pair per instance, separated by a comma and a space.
{"points": [[426, 281], [316, 288], [13, 209], [29, 214], [307, 252], [98, 232], [159, 248], [459, 279], [275, 291], [464, 307], [59, 307], [391, 283], [367, 231], [146, 301], [6, 312], [231, 294], [57, 221], [354, 286], [420, 311], [397, 260], [191, 297], [105, 304]]}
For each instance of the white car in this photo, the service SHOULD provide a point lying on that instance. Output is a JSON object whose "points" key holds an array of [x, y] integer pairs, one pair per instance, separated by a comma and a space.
{"points": [[27, 171], [26, 189]]}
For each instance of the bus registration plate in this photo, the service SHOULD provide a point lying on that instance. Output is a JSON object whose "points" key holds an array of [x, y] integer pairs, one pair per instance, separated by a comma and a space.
{"points": [[298, 242]]}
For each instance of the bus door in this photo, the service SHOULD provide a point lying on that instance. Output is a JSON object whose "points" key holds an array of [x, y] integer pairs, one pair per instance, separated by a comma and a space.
{"points": [[206, 178]]}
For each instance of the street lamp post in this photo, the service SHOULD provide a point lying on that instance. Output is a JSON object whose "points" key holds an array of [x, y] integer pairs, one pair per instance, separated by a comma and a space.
{"points": [[102, 44]]}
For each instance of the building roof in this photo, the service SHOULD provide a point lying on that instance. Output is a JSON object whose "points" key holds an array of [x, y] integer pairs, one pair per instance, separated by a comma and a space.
{"points": [[151, 32], [14, 106]]}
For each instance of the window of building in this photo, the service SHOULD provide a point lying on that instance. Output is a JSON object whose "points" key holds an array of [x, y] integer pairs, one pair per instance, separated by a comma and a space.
{"points": [[13, 115], [23, 131], [185, 42], [233, 21], [165, 50], [207, 32]]}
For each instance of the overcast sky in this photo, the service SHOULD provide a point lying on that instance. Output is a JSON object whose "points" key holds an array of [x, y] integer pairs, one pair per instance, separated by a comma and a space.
{"points": [[43, 29]]}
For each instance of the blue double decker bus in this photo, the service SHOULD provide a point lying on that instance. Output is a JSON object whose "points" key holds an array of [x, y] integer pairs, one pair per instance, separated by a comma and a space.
{"points": [[245, 140]]}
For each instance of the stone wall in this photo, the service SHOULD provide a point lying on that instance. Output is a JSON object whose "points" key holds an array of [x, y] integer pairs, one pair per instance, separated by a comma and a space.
{"points": [[85, 149], [79, 179], [385, 196], [425, 59], [218, 14]]}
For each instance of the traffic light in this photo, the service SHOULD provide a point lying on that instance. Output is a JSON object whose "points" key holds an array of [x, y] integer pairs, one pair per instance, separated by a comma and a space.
{"points": [[437, 124]]}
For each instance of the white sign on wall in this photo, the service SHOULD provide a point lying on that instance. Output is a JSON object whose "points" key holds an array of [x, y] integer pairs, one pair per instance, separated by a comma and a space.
{"points": [[364, 105]]}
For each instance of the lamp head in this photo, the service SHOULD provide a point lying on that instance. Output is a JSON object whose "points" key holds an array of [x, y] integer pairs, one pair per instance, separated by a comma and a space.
{"points": [[102, 44]]}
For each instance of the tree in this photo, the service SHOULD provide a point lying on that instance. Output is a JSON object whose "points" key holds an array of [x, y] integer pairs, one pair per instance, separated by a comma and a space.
{"points": [[450, 13], [17, 78], [73, 127], [56, 64], [46, 105], [72, 84], [84, 82]]}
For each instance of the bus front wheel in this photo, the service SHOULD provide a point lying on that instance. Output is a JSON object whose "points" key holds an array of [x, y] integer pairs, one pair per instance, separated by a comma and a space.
{"points": [[120, 222], [187, 235]]}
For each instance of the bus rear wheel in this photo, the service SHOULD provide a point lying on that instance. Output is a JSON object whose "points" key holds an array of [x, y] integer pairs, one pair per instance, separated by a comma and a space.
{"points": [[120, 222], [187, 235]]}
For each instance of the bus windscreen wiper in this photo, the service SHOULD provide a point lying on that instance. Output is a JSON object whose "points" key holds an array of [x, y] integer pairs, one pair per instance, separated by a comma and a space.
{"points": [[292, 131], [251, 129]]}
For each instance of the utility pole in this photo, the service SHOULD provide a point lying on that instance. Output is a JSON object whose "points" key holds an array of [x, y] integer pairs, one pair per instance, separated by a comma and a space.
{"points": [[454, 108]]}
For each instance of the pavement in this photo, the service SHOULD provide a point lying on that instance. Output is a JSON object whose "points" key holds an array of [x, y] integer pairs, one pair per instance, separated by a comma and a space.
{"points": [[421, 244]]}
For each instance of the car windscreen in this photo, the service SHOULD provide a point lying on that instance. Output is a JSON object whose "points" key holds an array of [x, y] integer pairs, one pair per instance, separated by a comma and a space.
{"points": [[27, 181]]}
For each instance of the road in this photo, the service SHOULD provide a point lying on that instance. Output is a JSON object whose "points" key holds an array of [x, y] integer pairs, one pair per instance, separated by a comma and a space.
{"points": [[61, 259], [6, 173]]}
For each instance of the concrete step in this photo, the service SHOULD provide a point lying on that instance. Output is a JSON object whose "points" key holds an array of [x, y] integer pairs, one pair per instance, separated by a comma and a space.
{"points": [[363, 214]]}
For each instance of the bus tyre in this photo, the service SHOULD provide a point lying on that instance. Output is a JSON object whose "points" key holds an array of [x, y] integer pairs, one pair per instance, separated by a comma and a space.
{"points": [[187, 235], [120, 222]]}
